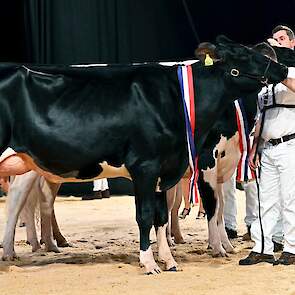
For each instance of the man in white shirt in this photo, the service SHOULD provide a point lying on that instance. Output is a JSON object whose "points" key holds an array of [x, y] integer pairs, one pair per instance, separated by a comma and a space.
{"points": [[277, 182]]}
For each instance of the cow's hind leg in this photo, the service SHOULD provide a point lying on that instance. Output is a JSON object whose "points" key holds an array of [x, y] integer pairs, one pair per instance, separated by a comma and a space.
{"points": [[18, 194], [145, 176], [28, 213], [161, 219]]}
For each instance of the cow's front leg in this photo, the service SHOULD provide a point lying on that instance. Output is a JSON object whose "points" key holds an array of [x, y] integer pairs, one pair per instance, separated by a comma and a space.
{"points": [[220, 221], [17, 195], [161, 218], [145, 176]]}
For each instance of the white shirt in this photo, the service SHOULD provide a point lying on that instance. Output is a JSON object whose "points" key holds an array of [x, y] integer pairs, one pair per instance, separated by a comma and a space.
{"points": [[279, 121]]}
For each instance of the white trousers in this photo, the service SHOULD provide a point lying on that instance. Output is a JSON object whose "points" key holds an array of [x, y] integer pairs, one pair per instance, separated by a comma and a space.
{"points": [[277, 197], [250, 189], [230, 203], [100, 184]]}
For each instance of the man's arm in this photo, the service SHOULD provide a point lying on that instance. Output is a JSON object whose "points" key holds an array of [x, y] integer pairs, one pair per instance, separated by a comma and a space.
{"points": [[253, 163], [290, 81]]}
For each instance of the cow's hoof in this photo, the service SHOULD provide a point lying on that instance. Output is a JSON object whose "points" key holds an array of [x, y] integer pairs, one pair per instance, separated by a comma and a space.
{"points": [[153, 269], [231, 251], [221, 253], [170, 242], [179, 240], [11, 257], [52, 248], [64, 244], [36, 248], [174, 269]]}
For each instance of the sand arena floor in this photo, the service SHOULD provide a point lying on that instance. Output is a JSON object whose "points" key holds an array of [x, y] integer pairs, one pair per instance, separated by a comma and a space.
{"points": [[104, 258]]}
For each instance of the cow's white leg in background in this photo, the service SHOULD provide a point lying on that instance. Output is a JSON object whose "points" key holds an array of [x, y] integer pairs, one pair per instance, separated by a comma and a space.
{"points": [[227, 162], [211, 201], [210, 176], [175, 228], [47, 197], [220, 222], [171, 195], [28, 214], [164, 252], [16, 200]]}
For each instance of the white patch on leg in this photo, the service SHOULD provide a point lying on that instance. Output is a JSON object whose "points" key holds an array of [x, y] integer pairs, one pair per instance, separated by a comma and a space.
{"points": [[164, 250], [146, 259]]}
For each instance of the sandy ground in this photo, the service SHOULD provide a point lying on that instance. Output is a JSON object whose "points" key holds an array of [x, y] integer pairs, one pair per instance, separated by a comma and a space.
{"points": [[104, 258]]}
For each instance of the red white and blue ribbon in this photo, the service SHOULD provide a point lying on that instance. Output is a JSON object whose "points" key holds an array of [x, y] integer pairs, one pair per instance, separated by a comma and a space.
{"points": [[244, 173], [185, 77]]}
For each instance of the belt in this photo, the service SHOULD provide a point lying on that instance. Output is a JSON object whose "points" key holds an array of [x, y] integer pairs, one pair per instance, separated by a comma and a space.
{"points": [[276, 141]]}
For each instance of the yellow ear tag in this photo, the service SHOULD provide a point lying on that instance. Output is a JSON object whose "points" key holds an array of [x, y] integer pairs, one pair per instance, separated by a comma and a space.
{"points": [[208, 60]]}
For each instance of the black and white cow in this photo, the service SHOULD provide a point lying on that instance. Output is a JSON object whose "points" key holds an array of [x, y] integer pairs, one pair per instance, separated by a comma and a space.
{"points": [[225, 139], [63, 121]]}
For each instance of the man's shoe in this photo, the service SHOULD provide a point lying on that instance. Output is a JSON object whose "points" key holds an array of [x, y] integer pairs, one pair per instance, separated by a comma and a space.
{"points": [[185, 212], [87, 197], [255, 258], [231, 233], [247, 235], [277, 247], [97, 195], [105, 193], [286, 258]]}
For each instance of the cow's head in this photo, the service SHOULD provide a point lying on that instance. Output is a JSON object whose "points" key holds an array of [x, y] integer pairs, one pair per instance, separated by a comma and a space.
{"points": [[246, 67]]}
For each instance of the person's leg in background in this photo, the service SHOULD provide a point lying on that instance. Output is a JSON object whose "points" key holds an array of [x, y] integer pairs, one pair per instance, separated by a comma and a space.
{"points": [[185, 194], [230, 207], [105, 188], [201, 213], [250, 189]]}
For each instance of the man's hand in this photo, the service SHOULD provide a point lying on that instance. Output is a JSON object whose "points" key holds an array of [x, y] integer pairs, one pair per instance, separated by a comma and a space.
{"points": [[274, 42], [253, 164]]}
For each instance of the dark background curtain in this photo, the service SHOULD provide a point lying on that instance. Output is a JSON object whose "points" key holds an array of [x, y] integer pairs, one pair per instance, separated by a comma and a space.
{"points": [[107, 31], [125, 31]]}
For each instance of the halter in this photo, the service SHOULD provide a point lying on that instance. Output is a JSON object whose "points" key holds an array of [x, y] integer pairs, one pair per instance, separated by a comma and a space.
{"points": [[263, 79]]}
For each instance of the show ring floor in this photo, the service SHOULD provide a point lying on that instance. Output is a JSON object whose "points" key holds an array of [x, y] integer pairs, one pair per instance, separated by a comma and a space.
{"points": [[104, 259]]}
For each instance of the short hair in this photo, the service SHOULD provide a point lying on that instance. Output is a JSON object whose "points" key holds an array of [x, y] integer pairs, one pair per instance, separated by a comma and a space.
{"points": [[289, 32], [266, 50]]}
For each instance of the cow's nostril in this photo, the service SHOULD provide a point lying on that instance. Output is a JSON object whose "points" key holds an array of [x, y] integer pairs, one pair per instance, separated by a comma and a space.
{"points": [[222, 154]]}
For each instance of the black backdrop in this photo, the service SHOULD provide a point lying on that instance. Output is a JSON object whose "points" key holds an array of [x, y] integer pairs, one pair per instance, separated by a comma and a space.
{"points": [[124, 31], [110, 31]]}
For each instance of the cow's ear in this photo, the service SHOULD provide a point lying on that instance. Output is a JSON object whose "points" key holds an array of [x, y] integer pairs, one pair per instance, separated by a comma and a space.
{"points": [[223, 52], [221, 39]]}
